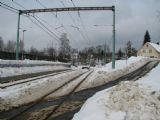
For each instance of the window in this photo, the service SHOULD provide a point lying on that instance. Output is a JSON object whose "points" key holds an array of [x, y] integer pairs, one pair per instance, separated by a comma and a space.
{"points": [[150, 51], [144, 51]]}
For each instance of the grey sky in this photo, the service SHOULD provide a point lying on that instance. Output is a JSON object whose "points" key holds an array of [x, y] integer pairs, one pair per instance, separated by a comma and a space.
{"points": [[133, 18]]}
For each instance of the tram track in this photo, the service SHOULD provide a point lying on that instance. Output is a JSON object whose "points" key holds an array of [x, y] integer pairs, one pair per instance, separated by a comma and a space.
{"points": [[24, 112], [63, 108], [5, 85], [4, 80], [83, 95]]}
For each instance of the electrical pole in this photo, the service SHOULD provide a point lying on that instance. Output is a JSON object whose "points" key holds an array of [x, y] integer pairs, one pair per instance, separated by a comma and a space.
{"points": [[23, 45], [17, 43], [105, 57], [114, 31]]}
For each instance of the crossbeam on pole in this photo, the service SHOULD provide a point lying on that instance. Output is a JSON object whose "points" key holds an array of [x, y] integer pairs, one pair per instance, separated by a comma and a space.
{"points": [[66, 9]]}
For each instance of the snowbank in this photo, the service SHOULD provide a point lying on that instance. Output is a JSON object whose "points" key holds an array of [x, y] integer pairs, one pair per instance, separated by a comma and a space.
{"points": [[138, 100], [126, 101], [105, 74]]}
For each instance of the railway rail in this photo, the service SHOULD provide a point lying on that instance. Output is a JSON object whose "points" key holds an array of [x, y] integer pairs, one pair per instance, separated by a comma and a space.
{"points": [[83, 95], [63, 108], [23, 114], [5, 85], [26, 76], [31, 65]]}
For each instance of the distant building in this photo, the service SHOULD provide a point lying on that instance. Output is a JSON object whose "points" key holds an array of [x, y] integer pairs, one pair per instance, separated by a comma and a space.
{"points": [[150, 50]]}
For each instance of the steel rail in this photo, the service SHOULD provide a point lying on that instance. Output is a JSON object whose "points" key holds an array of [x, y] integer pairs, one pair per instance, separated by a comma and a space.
{"points": [[8, 79], [44, 96], [71, 93], [32, 79]]}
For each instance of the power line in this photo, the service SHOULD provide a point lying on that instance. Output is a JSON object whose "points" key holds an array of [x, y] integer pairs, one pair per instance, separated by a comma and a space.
{"points": [[8, 6], [82, 23], [18, 4], [46, 27], [48, 24], [8, 9], [40, 27], [56, 18], [57, 38], [74, 22]]}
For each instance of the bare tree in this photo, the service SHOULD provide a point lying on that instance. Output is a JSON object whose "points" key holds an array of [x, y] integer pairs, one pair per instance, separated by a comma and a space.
{"points": [[129, 48], [1, 44], [33, 51], [64, 50], [120, 53], [51, 52], [21, 46], [11, 46]]}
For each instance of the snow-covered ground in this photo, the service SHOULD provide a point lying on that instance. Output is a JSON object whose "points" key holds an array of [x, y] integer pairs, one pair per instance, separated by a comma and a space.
{"points": [[13, 71], [138, 100], [27, 92], [42, 66], [104, 74], [27, 61]]}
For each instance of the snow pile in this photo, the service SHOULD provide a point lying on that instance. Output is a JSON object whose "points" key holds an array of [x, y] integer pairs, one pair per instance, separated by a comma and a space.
{"points": [[152, 79], [106, 74], [136, 103], [139, 100], [126, 101]]}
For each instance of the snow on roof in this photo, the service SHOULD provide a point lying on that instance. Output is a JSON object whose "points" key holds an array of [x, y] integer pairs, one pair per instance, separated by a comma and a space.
{"points": [[156, 46]]}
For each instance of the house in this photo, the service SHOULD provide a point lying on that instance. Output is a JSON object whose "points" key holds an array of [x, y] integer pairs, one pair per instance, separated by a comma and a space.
{"points": [[150, 50]]}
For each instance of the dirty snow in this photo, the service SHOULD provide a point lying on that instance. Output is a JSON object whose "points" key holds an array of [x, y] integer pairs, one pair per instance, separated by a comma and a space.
{"points": [[28, 92], [104, 74], [138, 100]]}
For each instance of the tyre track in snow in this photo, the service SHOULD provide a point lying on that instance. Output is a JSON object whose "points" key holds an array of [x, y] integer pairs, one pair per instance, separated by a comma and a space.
{"points": [[20, 114]]}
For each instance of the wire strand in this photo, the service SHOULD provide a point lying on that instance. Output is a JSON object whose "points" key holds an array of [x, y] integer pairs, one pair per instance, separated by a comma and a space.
{"points": [[8, 9]]}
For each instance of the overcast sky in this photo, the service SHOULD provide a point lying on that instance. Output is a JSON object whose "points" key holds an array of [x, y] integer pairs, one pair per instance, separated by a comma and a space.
{"points": [[133, 18]]}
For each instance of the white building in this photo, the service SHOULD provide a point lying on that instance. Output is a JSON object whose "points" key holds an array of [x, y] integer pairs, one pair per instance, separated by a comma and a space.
{"points": [[150, 50]]}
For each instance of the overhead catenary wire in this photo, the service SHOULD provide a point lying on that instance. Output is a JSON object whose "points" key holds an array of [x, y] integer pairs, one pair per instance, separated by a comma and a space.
{"points": [[40, 3], [8, 9], [49, 25], [13, 10], [82, 23], [46, 27], [74, 23], [40, 27], [8, 6], [49, 31], [18, 4]]}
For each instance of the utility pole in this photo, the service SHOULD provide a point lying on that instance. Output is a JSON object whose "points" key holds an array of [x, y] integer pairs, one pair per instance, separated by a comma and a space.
{"points": [[23, 45], [114, 39], [17, 43], [105, 57]]}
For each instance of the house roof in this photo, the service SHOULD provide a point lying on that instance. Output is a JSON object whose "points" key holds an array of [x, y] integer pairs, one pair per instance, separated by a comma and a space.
{"points": [[156, 46]]}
